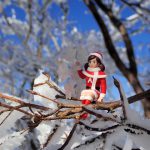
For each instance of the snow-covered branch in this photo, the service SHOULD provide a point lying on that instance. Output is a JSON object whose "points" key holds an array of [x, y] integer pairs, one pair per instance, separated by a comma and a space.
{"points": [[64, 111]]}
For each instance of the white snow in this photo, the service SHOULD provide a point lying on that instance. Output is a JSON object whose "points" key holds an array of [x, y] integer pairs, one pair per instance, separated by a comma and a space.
{"points": [[44, 90]]}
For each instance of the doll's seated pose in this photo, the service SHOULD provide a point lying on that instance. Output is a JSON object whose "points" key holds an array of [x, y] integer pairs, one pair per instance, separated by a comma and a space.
{"points": [[95, 80]]}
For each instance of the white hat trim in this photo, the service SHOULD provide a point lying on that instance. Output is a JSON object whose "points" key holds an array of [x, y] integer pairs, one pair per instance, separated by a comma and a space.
{"points": [[97, 55]]}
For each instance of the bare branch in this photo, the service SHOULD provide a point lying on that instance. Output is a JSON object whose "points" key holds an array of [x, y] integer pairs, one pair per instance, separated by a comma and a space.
{"points": [[120, 26], [107, 38], [15, 108], [24, 104], [30, 22], [138, 128], [69, 137], [43, 9], [36, 93], [6, 118], [55, 87], [98, 114], [60, 118], [137, 5], [98, 129], [117, 84], [55, 41], [50, 136], [64, 97]]}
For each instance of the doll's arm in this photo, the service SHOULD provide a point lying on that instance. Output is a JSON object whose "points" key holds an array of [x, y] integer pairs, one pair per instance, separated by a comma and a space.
{"points": [[81, 75], [103, 87], [78, 68]]}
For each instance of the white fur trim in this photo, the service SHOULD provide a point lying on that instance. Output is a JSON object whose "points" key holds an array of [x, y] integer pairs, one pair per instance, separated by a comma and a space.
{"points": [[91, 76], [82, 97], [94, 80], [86, 92], [86, 98], [93, 69], [97, 55]]}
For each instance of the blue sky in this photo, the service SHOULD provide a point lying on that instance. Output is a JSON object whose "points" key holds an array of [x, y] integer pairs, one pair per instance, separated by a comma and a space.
{"points": [[84, 21], [80, 17]]}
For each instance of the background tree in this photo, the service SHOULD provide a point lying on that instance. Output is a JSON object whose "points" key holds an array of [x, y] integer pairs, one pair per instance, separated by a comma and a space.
{"points": [[129, 70]]}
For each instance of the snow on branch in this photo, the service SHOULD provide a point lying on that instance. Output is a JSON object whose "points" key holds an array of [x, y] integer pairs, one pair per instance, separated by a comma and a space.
{"points": [[45, 92]]}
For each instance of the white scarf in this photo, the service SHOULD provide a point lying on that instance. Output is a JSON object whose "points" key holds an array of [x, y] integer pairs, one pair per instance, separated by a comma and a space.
{"points": [[93, 69]]}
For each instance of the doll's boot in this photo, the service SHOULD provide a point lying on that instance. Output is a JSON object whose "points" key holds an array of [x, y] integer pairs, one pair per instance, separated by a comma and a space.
{"points": [[85, 115]]}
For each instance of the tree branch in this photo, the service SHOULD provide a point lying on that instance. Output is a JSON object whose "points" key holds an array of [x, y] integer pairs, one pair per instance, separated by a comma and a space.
{"points": [[24, 104], [30, 22], [98, 129], [117, 84], [107, 39], [120, 26], [69, 137]]}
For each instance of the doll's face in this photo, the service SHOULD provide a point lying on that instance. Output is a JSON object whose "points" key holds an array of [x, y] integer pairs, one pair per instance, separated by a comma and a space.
{"points": [[93, 63]]}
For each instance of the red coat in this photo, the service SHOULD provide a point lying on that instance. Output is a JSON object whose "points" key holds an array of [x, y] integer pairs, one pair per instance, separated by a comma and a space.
{"points": [[94, 78]]}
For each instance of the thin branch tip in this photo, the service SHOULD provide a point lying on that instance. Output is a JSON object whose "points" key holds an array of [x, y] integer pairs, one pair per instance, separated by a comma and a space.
{"points": [[116, 82]]}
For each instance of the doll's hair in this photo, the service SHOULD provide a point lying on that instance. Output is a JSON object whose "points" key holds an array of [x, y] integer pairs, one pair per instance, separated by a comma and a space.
{"points": [[101, 65]]}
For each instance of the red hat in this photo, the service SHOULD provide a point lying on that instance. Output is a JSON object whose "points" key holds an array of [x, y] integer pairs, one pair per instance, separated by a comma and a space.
{"points": [[97, 54]]}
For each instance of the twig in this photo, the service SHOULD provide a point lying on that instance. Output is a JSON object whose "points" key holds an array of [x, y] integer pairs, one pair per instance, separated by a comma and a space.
{"points": [[55, 87], [24, 104], [60, 118], [5, 110], [39, 84], [117, 84], [69, 112], [98, 129], [50, 137], [15, 108], [138, 128], [45, 6], [6, 117], [36, 93], [64, 97], [98, 114], [69, 137], [136, 4], [62, 105], [30, 22], [52, 113]]}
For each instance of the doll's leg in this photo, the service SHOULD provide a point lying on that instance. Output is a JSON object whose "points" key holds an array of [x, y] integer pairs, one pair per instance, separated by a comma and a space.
{"points": [[87, 94], [87, 97]]}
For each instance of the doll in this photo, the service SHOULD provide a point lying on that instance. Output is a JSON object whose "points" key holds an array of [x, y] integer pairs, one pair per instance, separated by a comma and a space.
{"points": [[95, 80]]}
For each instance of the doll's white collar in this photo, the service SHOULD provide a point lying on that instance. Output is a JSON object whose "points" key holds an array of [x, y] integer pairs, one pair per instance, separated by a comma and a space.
{"points": [[93, 69]]}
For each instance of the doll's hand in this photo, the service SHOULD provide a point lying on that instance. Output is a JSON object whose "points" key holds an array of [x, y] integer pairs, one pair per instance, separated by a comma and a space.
{"points": [[78, 65], [100, 99]]}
